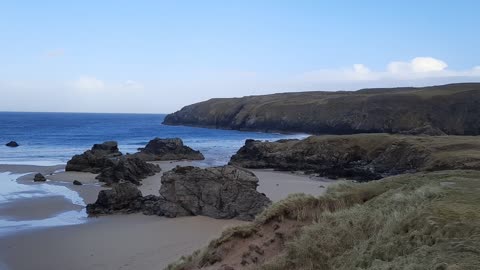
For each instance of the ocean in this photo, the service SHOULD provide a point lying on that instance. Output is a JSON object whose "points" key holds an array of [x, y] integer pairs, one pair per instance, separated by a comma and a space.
{"points": [[53, 138]]}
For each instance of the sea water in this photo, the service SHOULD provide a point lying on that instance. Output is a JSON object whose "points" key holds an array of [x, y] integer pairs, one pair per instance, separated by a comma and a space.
{"points": [[53, 138]]}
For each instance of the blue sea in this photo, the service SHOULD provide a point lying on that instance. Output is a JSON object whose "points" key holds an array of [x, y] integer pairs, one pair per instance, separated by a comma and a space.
{"points": [[53, 138]]}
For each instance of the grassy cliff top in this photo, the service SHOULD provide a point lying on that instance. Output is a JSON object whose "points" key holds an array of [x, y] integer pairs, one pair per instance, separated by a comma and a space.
{"points": [[451, 109], [412, 221]]}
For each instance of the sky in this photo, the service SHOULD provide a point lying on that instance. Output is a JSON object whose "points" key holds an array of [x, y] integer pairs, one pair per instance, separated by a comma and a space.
{"points": [[158, 56]]}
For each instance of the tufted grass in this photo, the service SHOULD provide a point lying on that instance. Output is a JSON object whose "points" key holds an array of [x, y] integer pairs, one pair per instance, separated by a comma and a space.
{"points": [[413, 221]]}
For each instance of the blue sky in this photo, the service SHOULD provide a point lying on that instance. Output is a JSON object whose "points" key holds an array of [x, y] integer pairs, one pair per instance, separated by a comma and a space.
{"points": [[157, 56]]}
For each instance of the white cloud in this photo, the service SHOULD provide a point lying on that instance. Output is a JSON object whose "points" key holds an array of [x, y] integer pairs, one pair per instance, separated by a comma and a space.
{"points": [[417, 65], [88, 83], [416, 68]]}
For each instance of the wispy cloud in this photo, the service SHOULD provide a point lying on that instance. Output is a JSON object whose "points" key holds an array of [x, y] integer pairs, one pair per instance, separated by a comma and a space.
{"points": [[416, 68], [88, 83]]}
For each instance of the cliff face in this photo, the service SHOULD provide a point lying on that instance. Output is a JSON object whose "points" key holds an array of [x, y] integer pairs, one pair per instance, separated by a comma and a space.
{"points": [[448, 109], [362, 156]]}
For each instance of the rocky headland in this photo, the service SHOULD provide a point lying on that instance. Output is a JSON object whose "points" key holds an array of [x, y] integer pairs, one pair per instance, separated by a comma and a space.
{"points": [[452, 109], [363, 156], [219, 192]]}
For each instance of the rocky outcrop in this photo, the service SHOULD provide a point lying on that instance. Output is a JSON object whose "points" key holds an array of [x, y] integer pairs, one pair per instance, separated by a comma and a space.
{"points": [[452, 109], [39, 178], [219, 192], [362, 157], [94, 160], [168, 149], [122, 198], [126, 168], [12, 144], [112, 167], [77, 183]]}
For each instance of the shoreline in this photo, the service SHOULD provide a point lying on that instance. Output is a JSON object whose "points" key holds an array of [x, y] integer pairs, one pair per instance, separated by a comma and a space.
{"points": [[140, 242]]}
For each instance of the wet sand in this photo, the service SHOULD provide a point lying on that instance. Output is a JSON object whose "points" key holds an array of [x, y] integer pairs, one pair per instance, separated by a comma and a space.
{"points": [[110, 243], [122, 241]]}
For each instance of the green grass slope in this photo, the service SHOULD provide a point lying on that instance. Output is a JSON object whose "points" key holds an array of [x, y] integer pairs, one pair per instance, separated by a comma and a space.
{"points": [[412, 221]]}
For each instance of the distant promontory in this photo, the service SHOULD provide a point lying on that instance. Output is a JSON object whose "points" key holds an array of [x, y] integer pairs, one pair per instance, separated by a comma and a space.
{"points": [[452, 109]]}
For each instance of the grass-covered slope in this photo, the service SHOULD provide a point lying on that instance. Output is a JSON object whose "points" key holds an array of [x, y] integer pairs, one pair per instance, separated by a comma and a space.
{"points": [[451, 109], [362, 156], [413, 221]]}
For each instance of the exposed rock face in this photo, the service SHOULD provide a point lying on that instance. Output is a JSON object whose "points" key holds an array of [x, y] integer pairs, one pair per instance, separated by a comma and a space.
{"points": [[12, 144], [94, 160], [122, 198], [451, 109], [362, 157], [127, 168], [218, 192], [39, 178], [168, 149], [111, 165]]}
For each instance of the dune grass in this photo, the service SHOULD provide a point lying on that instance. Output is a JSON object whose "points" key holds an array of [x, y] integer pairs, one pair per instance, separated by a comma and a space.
{"points": [[414, 221]]}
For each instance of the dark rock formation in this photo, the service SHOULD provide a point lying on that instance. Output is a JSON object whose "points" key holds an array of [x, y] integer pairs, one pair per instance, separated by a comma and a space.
{"points": [[126, 168], [451, 109], [122, 198], [12, 144], [168, 149], [363, 156], [111, 165], [94, 160], [77, 183], [39, 178], [218, 192]]}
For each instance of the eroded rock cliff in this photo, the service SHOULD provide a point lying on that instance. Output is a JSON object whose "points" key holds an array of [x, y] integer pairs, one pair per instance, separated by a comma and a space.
{"points": [[362, 156], [448, 109]]}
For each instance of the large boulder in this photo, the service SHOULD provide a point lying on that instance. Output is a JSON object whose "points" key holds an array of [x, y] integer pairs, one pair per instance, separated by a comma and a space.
{"points": [[12, 144], [218, 192], [126, 168], [94, 160], [122, 198], [168, 149]]}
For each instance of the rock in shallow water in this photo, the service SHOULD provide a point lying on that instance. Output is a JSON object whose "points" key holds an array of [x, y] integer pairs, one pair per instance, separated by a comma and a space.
{"points": [[12, 144], [39, 178]]}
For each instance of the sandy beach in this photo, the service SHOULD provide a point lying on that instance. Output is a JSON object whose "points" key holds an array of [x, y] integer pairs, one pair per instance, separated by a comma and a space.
{"points": [[121, 241]]}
